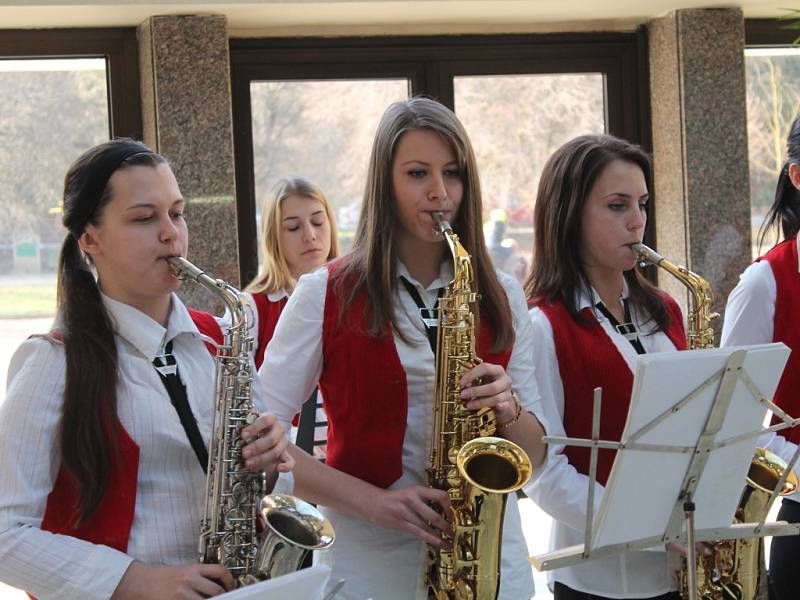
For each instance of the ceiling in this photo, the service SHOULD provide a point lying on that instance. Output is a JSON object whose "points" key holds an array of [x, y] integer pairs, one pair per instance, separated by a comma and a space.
{"points": [[372, 17]]}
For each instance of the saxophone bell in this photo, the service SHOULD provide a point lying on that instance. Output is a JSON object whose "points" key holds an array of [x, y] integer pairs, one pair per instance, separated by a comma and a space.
{"points": [[291, 529]]}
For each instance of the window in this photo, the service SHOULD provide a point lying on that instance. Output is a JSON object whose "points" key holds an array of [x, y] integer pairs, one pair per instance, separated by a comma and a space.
{"points": [[511, 93], [772, 69], [60, 93]]}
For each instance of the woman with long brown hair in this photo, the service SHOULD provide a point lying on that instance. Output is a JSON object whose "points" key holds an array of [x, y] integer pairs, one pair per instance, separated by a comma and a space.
{"points": [[593, 314], [101, 467], [356, 327]]}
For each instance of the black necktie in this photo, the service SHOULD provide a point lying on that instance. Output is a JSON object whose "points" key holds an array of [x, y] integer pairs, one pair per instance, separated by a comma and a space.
{"points": [[628, 329], [167, 369]]}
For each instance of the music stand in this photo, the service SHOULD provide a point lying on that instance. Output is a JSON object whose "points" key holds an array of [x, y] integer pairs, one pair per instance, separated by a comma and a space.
{"points": [[694, 419]]}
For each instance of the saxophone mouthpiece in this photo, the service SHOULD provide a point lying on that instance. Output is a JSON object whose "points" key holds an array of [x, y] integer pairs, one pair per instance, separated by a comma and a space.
{"points": [[646, 255], [441, 224]]}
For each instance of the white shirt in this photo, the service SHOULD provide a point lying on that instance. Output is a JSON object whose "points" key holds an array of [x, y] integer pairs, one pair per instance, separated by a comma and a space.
{"points": [[562, 492], [749, 319], [380, 563], [171, 484]]}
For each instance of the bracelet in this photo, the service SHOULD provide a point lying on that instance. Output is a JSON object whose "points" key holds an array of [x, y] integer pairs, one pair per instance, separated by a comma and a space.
{"points": [[516, 416]]}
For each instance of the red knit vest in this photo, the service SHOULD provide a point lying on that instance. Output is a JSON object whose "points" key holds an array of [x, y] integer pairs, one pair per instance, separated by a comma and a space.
{"points": [[268, 314], [364, 386], [110, 525], [786, 328], [587, 358]]}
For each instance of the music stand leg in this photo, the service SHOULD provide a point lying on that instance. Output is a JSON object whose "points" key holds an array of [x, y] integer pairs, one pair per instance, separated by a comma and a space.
{"points": [[691, 553]]}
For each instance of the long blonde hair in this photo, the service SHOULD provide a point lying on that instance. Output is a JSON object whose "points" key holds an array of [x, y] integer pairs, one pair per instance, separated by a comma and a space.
{"points": [[274, 274], [372, 261]]}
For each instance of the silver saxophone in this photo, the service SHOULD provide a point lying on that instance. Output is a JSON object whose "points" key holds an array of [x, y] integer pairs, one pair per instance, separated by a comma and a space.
{"points": [[254, 535]]}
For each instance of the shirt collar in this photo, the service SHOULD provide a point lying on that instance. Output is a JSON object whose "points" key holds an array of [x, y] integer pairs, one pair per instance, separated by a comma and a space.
{"points": [[587, 297], [142, 332], [444, 278], [279, 295]]}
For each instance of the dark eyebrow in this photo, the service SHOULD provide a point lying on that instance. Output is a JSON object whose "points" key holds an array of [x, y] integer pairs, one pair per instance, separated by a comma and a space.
{"points": [[151, 205], [422, 162]]}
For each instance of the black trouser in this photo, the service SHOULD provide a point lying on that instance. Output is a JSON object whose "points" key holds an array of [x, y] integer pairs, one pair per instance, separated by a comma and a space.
{"points": [[562, 592], [784, 557]]}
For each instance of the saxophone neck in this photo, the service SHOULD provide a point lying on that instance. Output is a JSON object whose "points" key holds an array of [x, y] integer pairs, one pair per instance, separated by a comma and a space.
{"points": [[183, 269]]}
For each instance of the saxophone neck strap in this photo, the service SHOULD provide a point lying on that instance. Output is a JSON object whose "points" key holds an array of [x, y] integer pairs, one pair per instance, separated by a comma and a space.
{"points": [[167, 369], [429, 316], [628, 329]]}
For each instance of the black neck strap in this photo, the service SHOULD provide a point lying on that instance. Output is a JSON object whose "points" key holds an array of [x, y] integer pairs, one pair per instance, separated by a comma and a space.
{"points": [[429, 316], [628, 329], [167, 369]]}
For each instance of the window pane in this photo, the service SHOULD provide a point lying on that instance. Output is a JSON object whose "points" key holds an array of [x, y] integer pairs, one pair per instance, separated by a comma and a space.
{"points": [[773, 97], [322, 130], [515, 122], [50, 111]]}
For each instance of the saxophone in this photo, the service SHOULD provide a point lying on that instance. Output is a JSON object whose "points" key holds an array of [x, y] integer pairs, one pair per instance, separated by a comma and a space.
{"points": [[732, 568], [254, 535], [475, 469]]}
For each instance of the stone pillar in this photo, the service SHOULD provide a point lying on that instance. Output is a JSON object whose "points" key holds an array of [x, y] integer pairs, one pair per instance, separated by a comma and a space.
{"points": [[186, 97], [702, 191]]}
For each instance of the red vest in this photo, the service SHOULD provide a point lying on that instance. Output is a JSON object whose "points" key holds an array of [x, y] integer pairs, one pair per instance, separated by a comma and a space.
{"points": [[783, 261], [587, 358], [364, 386], [268, 314], [110, 525]]}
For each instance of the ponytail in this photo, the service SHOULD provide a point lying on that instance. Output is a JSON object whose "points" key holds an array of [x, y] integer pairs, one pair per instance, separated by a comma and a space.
{"points": [[88, 428], [785, 209], [89, 425]]}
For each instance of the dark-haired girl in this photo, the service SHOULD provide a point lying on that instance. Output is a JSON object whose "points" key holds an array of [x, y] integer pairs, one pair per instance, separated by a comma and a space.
{"points": [[101, 490], [356, 327], [763, 308], [593, 314]]}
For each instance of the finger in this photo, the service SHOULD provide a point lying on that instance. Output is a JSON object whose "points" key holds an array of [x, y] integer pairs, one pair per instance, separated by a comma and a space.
{"points": [[286, 463], [487, 389], [271, 441], [429, 537], [219, 574], [259, 427], [483, 370]]}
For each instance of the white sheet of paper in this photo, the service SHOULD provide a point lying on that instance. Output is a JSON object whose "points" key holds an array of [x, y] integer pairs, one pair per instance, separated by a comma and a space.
{"points": [[643, 486], [305, 584]]}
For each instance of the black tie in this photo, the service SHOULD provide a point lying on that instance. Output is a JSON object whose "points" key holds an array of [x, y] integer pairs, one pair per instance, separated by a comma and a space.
{"points": [[167, 368], [429, 317], [628, 329]]}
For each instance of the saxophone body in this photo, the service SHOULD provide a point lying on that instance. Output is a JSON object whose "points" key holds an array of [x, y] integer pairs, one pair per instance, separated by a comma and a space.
{"points": [[254, 535], [732, 568], [476, 469]]}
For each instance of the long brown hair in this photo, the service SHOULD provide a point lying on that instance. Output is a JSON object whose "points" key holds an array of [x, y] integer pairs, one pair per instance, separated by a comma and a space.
{"points": [[89, 426], [274, 274], [372, 262], [566, 181], [785, 210]]}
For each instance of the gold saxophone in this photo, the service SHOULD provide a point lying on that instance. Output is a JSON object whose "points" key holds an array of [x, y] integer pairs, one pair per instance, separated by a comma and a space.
{"points": [[475, 469], [732, 568], [254, 535]]}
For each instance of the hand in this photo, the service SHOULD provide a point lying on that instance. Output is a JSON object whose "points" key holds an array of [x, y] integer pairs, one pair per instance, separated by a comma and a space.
{"points": [[268, 446], [184, 582], [411, 509], [701, 548], [489, 385]]}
